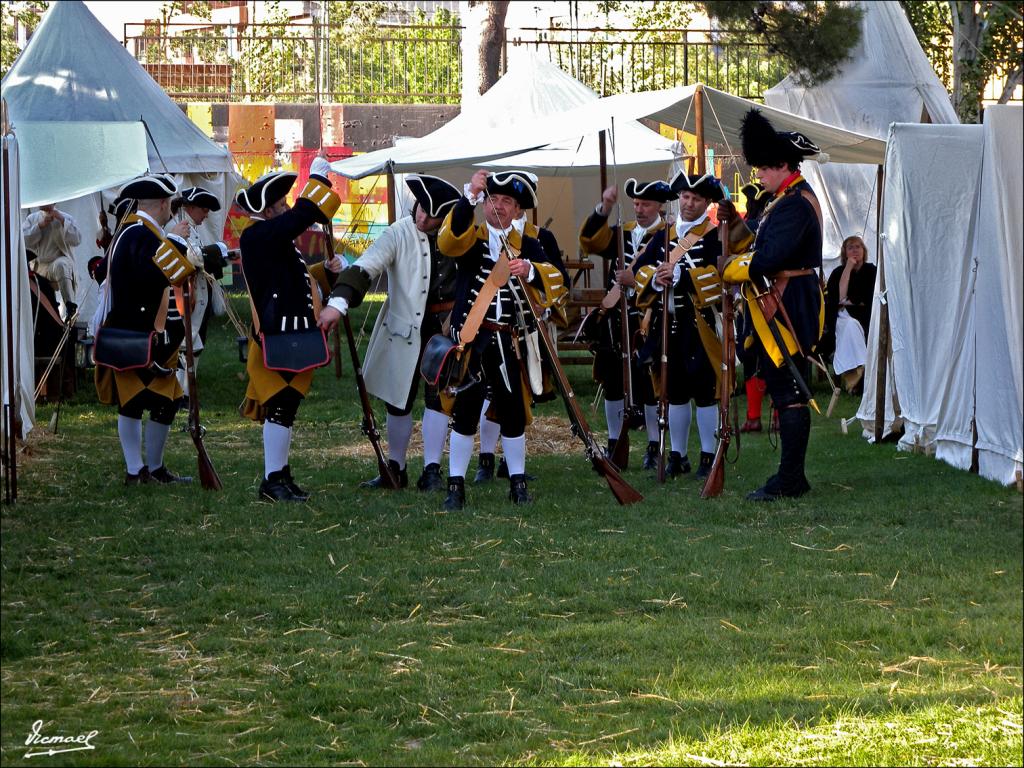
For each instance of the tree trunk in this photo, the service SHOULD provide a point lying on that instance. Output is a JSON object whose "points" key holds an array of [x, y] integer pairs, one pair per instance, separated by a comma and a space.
{"points": [[483, 39], [968, 79]]}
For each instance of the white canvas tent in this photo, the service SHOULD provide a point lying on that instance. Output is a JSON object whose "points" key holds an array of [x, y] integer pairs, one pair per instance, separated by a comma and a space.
{"points": [[16, 358], [888, 79], [530, 93], [953, 234], [74, 71]]}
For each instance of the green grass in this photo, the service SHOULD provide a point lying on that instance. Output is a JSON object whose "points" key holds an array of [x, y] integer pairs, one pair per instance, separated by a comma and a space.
{"points": [[877, 620]]}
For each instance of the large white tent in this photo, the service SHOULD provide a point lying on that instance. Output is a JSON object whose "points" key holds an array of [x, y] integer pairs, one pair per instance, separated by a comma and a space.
{"points": [[532, 91], [74, 71], [888, 79], [953, 234]]}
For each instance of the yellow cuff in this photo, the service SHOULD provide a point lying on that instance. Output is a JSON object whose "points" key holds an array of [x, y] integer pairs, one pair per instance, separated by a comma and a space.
{"points": [[322, 196]]}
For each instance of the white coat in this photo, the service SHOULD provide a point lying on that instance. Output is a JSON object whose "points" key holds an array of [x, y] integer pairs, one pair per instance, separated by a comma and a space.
{"points": [[394, 350]]}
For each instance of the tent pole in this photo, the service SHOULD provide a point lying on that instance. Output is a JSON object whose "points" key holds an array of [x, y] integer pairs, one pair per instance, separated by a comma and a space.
{"points": [[602, 150], [883, 322], [11, 409], [391, 196], [698, 116]]}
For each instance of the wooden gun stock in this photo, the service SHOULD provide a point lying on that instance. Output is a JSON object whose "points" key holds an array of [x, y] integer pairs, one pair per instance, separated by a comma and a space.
{"points": [[715, 482], [624, 493], [208, 477], [369, 425]]}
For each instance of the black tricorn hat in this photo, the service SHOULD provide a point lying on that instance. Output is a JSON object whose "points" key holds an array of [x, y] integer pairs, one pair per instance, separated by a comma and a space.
{"points": [[155, 186], [658, 190], [121, 207], [707, 186], [435, 196], [266, 190], [519, 185], [201, 198], [754, 191], [764, 147]]}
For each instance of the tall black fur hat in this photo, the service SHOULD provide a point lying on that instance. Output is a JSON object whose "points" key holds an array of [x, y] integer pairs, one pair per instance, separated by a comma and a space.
{"points": [[658, 191], [435, 196], [707, 186], [764, 147]]}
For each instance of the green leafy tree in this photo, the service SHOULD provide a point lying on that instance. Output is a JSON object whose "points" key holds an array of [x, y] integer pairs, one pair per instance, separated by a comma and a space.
{"points": [[970, 44], [814, 38], [28, 15]]}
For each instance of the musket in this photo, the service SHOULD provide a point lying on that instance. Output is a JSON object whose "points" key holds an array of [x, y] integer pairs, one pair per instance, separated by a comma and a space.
{"points": [[624, 493], [663, 404], [715, 481], [369, 425], [208, 477], [620, 456]]}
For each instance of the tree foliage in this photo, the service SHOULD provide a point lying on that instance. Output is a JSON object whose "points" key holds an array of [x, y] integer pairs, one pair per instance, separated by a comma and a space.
{"points": [[814, 38], [969, 45], [27, 14]]}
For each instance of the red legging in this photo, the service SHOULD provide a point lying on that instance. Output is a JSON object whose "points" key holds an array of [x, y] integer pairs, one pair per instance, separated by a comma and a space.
{"points": [[755, 387]]}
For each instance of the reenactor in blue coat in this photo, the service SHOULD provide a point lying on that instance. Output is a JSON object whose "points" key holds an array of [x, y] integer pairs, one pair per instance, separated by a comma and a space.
{"points": [[783, 267], [143, 266], [692, 287], [286, 297], [500, 353], [643, 243]]}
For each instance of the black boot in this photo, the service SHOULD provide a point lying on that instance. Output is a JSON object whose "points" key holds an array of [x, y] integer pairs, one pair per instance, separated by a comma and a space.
{"points": [[400, 473], [790, 481], [677, 465], [276, 488], [503, 470], [706, 460], [295, 489], [484, 468], [517, 490], [651, 457], [612, 442], [140, 479], [431, 480], [164, 476], [456, 498]]}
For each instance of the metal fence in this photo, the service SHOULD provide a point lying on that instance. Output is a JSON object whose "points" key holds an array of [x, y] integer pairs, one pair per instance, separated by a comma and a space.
{"points": [[412, 64], [628, 60], [405, 64]]}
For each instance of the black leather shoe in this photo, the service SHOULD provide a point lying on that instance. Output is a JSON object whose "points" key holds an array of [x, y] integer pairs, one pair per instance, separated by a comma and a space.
{"points": [[431, 480], [164, 476], [706, 460], [456, 498], [517, 491], [651, 457], [503, 471], [295, 489], [378, 482], [484, 468], [772, 490], [140, 479], [677, 465], [276, 488]]}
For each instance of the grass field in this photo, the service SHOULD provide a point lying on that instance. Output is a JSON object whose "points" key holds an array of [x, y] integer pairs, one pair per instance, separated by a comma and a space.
{"points": [[876, 621]]}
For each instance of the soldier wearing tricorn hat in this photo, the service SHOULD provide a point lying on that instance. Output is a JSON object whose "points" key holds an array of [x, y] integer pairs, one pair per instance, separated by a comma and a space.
{"points": [[421, 293], [643, 243], [286, 297], [499, 353], [782, 267], [143, 265], [694, 349]]}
